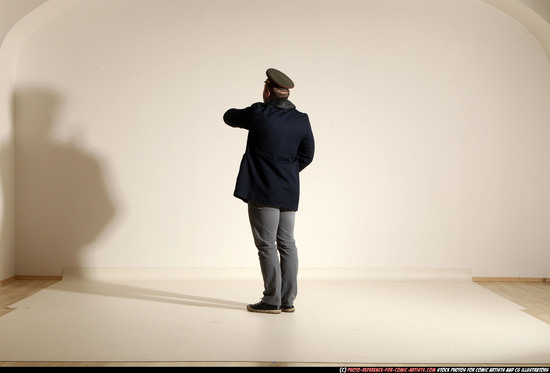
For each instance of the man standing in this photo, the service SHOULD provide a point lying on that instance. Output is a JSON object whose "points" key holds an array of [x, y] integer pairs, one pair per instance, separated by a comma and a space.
{"points": [[280, 144]]}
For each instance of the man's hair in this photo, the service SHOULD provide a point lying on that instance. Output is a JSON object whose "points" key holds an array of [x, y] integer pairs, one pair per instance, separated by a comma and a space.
{"points": [[279, 92]]}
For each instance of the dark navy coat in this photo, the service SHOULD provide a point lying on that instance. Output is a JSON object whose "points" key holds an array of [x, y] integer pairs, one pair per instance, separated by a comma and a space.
{"points": [[280, 144]]}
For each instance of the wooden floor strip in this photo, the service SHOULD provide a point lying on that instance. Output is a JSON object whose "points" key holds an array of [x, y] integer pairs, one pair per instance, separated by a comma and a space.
{"points": [[510, 279]]}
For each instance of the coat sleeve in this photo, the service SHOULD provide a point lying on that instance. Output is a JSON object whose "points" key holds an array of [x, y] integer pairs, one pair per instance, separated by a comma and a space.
{"points": [[240, 118], [306, 150]]}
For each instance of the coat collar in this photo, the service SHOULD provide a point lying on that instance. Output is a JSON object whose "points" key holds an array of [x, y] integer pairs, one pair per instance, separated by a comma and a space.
{"points": [[282, 103]]}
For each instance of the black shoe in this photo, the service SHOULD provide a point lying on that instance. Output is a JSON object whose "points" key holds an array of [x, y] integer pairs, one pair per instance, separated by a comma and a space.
{"points": [[263, 308], [287, 308]]}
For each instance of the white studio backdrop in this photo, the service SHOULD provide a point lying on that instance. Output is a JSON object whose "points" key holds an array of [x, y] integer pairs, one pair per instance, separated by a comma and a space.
{"points": [[431, 120]]}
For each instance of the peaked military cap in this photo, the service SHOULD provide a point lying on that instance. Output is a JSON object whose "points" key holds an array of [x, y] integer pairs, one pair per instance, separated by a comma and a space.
{"points": [[276, 78]]}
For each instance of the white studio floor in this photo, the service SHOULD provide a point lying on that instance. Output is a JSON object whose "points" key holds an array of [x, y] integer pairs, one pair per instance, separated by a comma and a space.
{"points": [[200, 316]]}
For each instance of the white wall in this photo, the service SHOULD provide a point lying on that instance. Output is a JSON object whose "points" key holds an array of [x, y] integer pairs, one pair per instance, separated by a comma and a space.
{"points": [[431, 120]]}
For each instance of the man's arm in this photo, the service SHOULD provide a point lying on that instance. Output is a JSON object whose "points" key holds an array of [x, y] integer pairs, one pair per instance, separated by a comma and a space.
{"points": [[240, 118], [306, 150]]}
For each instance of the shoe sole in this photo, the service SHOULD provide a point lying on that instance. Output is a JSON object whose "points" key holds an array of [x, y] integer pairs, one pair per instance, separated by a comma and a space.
{"points": [[288, 309], [262, 311]]}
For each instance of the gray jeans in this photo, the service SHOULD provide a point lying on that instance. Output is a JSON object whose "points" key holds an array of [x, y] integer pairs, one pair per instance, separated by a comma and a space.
{"points": [[273, 231]]}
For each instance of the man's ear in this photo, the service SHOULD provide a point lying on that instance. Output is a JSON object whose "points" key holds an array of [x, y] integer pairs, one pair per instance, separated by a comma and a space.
{"points": [[266, 94]]}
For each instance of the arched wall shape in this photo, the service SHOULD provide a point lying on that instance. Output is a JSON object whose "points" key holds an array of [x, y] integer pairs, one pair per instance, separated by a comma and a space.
{"points": [[527, 15], [20, 25], [430, 118], [12, 13], [541, 7]]}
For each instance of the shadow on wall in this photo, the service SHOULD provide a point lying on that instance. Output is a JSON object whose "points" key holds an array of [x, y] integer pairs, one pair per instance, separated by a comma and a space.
{"points": [[61, 202]]}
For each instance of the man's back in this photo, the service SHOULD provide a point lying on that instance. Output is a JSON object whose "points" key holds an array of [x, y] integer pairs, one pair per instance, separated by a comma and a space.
{"points": [[280, 144]]}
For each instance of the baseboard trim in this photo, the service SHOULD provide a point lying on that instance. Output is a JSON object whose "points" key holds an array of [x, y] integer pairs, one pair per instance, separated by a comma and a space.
{"points": [[474, 279], [17, 277], [36, 278], [7, 280], [510, 279]]}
